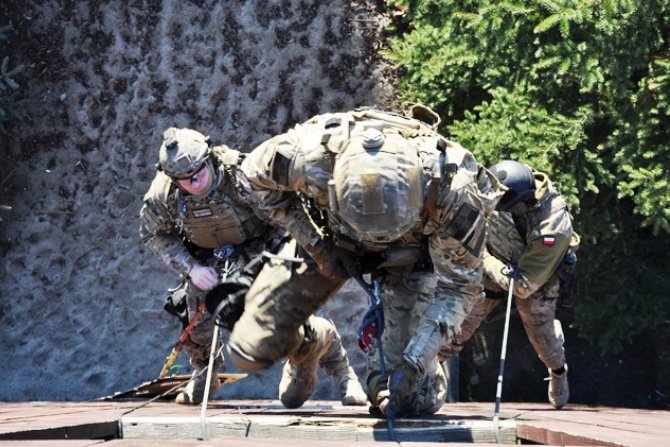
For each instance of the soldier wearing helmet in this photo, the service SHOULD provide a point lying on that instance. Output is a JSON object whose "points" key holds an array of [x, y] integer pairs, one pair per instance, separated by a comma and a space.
{"points": [[531, 235], [368, 191], [198, 218]]}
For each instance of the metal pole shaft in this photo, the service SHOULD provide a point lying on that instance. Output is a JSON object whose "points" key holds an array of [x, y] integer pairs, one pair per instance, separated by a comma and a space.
{"points": [[203, 410], [501, 371]]}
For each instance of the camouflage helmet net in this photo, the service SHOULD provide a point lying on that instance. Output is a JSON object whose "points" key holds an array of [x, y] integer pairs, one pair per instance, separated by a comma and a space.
{"points": [[182, 152], [377, 180]]}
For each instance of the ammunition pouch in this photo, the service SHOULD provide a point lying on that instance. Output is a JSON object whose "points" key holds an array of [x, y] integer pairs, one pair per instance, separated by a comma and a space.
{"points": [[496, 294]]}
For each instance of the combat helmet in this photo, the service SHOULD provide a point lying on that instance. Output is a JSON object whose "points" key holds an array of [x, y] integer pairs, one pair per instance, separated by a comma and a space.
{"points": [[183, 152], [519, 180], [377, 186]]}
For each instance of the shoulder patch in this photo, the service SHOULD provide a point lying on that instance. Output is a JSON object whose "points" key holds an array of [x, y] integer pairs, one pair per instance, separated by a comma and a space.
{"points": [[549, 241]]}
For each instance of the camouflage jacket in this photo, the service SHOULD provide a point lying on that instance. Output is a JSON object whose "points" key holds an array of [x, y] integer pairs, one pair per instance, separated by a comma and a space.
{"points": [[183, 229], [451, 227], [535, 242]]}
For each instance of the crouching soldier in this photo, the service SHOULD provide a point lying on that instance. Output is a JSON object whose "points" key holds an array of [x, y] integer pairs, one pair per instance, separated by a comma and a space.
{"points": [[373, 188], [531, 237], [198, 219]]}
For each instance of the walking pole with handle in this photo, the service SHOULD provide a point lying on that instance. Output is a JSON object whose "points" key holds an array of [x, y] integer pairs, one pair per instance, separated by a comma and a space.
{"points": [[210, 368], [503, 352]]}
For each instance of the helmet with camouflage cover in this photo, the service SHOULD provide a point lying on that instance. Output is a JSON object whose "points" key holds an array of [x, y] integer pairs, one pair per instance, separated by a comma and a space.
{"points": [[519, 180], [183, 152], [377, 185]]}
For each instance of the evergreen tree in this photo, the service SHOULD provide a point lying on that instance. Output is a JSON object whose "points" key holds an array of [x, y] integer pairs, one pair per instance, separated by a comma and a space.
{"points": [[579, 89]]}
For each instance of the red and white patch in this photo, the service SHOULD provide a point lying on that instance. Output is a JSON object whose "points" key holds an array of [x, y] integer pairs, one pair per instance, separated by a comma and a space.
{"points": [[548, 240]]}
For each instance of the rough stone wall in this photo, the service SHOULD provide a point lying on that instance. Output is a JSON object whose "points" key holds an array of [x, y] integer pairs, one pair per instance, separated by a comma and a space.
{"points": [[81, 309]]}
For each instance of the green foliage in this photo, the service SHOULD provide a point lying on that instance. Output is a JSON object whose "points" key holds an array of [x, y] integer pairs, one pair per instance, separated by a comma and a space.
{"points": [[581, 90], [8, 86]]}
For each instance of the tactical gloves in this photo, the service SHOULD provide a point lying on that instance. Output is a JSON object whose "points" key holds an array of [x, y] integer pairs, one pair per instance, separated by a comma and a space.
{"points": [[226, 303], [402, 387], [331, 260]]}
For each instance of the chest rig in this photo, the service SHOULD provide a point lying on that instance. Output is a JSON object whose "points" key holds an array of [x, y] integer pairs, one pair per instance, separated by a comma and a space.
{"points": [[221, 217]]}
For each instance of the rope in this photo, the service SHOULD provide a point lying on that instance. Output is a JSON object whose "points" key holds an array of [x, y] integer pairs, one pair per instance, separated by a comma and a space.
{"points": [[375, 317], [165, 393]]}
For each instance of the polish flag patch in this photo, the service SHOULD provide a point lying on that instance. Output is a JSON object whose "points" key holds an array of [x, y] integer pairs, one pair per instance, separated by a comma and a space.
{"points": [[548, 240]]}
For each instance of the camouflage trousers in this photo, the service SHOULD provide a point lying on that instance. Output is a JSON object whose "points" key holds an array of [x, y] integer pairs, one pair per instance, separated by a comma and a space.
{"points": [[537, 313], [198, 345], [415, 321], [283, 296]]}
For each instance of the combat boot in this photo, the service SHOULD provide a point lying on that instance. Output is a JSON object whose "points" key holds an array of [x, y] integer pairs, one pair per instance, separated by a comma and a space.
{"points": [[336, 364], [559, 391], [195, 390], [299, 375], [351, 391]]}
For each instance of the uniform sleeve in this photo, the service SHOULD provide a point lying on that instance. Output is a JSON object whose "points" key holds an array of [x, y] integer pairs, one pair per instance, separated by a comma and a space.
{"points": [[493, 273], [539, 261], [275, 180], [158, 230], [541, 257], [456, 251]]}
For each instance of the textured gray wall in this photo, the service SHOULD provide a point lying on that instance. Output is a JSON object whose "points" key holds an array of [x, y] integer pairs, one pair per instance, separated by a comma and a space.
{"points": [[81, 309]]}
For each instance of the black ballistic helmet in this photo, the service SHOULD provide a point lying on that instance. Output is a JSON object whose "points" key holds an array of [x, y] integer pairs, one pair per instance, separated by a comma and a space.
{"points": [[518, 178]]}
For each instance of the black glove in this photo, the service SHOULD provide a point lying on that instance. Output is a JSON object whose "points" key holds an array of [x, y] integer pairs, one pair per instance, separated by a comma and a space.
{"points": [[226, 303], [402, 398]]}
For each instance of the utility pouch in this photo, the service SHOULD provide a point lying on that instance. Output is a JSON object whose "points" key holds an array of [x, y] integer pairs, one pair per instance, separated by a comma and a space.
{"points": [[567, 276], [175, 303], [496, 295]]}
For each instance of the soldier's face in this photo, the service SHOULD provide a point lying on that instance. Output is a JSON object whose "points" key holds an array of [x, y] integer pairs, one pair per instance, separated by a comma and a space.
{"points": [[198, 183]]}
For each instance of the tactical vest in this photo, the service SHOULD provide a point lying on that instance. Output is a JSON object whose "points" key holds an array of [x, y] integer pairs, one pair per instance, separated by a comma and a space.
{"points": [[221, 218]]}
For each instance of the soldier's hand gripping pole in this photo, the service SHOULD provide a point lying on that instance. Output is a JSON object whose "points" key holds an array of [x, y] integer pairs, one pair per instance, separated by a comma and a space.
{"points": [[503, 353], [169, 361]]}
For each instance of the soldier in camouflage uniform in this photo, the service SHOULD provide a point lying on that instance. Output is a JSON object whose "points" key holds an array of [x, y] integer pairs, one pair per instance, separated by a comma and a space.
{"points": [[374, 191], [531, 235], [197, 217]]}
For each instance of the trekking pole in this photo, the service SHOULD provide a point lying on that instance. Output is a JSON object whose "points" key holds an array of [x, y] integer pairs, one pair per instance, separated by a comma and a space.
{"points": [[212, 354], [503, 352]]}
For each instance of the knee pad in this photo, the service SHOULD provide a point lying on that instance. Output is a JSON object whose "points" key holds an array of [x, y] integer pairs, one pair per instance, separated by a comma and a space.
{"points": [[245, 361]]}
